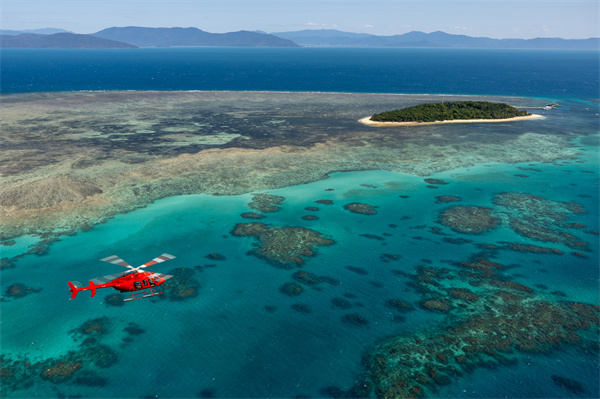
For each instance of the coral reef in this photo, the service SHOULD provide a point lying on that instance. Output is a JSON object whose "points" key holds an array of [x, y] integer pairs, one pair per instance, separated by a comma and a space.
{"points": [[114, 300], [363, 209], [570, 384], [528, 215], [82, 366], [307, 278], [436, 182], [341, 303], [76, 185], [214, 256], [301, 308], [539, 218], [355, 319], [399, 305], [282, 246], [252, 215], [491, 322], [357, 270], [60, 371], [447, 198], [291, 289], [92, 328], [469, 219], [19, 290], [324, 202], [182, 286], [266, 202]]}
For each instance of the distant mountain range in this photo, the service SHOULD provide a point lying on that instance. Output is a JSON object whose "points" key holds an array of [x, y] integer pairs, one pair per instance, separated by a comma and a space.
{"points": [[58, 40], [132, 37], [45, 31], [158, 37], [329, 37]]}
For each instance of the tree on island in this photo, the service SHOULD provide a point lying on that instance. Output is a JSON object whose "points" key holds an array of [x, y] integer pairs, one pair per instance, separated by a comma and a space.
{"points": [[444, 111]]}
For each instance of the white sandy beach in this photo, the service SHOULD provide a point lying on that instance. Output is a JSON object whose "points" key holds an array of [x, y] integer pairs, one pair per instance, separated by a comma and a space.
{"points": [[367, 121]]}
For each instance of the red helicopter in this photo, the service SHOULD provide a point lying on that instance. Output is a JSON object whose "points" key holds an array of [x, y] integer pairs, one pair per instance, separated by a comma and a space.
{"points": [[140, 284]]}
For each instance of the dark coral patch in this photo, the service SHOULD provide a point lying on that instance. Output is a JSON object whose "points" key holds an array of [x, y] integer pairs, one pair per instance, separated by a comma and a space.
{"points": [[291, 289], [266, 202], [324, 202], [355, 319], [252, 215], [19, 290], [182, 286], [301, 308], [386, 258], [114, 300], [207, 394], [372, 237], [310, 217], [436, 305], [570, 384], [134, 329], [469, 219], [463, 294], [456, 241], [357, 270], [94, 327], [307, 278], [437, 182], [60, 371], [341, 303], [363, 209], [399, 305], [447, 198], [282, 246], [579, 255], [533, 248]]}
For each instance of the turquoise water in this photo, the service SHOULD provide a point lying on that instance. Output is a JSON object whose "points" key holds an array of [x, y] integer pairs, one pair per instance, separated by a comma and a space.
{"points": [[225, 342], [241, 336]]}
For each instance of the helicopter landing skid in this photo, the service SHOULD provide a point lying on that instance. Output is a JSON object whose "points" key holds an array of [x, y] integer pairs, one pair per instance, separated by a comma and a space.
{"points": [[141, 294]]}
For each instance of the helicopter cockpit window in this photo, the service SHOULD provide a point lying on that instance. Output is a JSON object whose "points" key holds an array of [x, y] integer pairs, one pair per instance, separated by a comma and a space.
{"points": [[145, 283], [137, 285], [151, 282]]}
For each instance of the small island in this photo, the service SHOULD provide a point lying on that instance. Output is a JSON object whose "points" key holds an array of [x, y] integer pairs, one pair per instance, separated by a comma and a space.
{"points": [[449, 112]]}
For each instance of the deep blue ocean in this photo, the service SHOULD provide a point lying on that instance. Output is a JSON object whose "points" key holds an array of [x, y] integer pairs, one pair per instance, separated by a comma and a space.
{"points": [[241, 336], [534, 73]]}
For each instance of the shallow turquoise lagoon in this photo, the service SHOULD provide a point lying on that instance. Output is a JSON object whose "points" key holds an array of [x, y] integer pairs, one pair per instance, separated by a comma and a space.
{"points": [[242, 337]]}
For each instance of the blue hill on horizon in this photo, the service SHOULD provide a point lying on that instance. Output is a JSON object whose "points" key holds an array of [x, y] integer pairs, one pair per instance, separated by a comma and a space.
{"points": [[331, 37]]}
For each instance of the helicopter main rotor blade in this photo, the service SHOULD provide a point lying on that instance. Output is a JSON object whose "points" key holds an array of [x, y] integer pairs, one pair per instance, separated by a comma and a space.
{"points": [[162, 258], [114, 259], [108, 278]]}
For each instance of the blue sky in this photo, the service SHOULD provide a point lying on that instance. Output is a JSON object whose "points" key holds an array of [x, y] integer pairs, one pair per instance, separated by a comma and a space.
{"points": [[497, 19]]}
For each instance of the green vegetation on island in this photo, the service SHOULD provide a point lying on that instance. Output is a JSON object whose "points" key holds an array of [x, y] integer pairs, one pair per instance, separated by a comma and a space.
{"points": [[445, 111]]}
